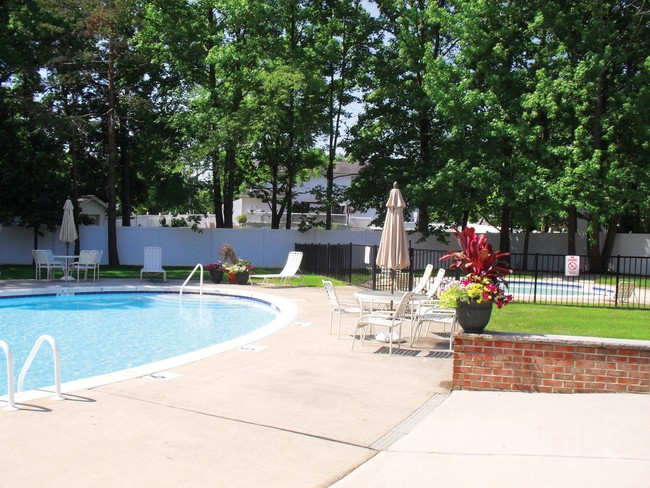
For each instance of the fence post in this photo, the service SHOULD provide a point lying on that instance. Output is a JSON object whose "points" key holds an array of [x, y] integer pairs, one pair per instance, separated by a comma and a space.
{"points": [[411, 267], [350, 266], [535, 278], [373, 266], [618, 275]]}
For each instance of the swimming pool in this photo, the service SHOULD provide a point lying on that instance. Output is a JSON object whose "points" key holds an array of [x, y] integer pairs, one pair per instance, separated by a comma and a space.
{"points": [[101, 333], [523, 288]]}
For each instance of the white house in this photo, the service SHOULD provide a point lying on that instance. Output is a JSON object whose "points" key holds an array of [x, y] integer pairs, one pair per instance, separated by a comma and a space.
{"points": [[93, 209]]}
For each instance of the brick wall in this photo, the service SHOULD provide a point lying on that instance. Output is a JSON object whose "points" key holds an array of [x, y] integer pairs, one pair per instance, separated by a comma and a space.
{"points": [[550, 364]]}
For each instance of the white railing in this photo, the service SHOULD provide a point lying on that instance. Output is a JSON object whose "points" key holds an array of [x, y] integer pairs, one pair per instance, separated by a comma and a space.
{"points": [[57, 367], [198, 266], [10, 376]]}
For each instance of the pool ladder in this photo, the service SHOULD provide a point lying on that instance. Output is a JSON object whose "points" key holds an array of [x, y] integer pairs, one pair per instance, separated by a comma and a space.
{"points": [[198, 266], [21, 377]]}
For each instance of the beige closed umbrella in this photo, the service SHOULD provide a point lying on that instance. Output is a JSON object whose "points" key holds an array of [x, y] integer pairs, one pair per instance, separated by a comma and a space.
{"points": [[393, 253], [68, 232]]}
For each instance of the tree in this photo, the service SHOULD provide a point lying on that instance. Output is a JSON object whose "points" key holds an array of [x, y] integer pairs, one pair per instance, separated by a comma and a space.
{"points": [[396, 137]]}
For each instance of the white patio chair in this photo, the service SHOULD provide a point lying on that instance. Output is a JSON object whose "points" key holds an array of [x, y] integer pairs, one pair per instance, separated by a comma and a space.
{"points": [[388, 319], [43, 259], [431, 315], [424, 281], [98, 260], [336, 306], [85, 262], [153, 262], [290, 271]]}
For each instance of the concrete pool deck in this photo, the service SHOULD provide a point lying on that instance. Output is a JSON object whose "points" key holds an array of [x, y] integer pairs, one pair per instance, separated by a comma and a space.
{"points": [[302, 410]]}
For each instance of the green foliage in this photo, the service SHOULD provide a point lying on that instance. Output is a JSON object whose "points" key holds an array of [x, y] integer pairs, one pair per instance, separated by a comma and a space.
{"points": [[516, 112]]}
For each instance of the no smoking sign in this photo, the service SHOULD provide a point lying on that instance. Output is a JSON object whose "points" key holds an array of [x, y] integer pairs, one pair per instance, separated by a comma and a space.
{"points": [[572, 266]]}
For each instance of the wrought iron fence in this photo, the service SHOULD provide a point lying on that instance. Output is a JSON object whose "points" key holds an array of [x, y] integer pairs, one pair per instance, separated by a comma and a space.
{"points": [[537, 278]]}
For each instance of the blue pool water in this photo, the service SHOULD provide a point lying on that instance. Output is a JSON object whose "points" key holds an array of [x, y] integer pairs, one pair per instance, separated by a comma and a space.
{"points": [[101, 333], [548, 289]]}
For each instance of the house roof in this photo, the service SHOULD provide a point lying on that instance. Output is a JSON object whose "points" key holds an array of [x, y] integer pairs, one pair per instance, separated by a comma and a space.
{"points": [[94, 199]]}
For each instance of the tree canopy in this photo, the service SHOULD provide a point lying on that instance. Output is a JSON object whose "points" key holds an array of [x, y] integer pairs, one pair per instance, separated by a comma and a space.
{"points": [[525, 114]]}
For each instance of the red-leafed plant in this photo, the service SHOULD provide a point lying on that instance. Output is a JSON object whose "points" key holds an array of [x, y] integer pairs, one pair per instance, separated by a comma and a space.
{"points": [[476, 256], [484, 269]]}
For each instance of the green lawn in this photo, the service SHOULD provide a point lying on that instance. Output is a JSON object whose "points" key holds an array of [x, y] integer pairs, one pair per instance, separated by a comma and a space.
{"points": [[564, 320], [24, 272], [516, 317]]}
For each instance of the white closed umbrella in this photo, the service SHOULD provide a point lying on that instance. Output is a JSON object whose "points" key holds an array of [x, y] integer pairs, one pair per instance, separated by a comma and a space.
{"points": [[68, 232], [393, 252]]}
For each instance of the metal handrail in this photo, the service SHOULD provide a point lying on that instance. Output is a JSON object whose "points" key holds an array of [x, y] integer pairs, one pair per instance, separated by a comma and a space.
{"points": [[10, 375], [180, 293], [57, 366]]}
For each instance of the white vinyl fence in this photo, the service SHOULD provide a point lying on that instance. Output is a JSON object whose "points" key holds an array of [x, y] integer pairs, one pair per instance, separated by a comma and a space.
{"points": [[263, 247]]}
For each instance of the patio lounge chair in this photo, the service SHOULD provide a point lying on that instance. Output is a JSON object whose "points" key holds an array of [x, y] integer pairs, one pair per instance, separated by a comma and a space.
{"points": [[390, 320], [625, 292], [424, 281], [153, 262], [336, 306], [43, 259], [291, 270]]}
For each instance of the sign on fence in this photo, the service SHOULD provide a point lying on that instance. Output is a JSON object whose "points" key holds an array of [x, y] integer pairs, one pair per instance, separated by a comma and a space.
{"points": [[572, 265]]}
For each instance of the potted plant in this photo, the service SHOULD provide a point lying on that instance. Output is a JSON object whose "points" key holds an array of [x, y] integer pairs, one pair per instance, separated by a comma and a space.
{"points": [[239, 272], [216, 271], [483, 285]]}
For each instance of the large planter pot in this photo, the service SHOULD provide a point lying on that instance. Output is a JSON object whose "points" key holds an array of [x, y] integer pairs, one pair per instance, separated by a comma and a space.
{"points": [[242, 278], [473, 316], [216, 275]]}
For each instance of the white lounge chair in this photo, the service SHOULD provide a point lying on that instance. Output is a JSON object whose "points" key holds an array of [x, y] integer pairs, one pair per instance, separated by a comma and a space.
{"points": [[336, 306], [625, 293], [385, 319], [291, 270], [153, 262], [424, 281]]}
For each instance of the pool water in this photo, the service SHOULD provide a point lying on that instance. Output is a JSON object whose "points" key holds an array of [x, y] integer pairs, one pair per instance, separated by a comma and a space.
{"points": [[101, 333], [547, 289]]}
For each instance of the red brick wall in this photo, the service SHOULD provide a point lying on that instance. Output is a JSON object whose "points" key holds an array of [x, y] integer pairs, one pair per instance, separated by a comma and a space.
{"points": [[550, 364]]}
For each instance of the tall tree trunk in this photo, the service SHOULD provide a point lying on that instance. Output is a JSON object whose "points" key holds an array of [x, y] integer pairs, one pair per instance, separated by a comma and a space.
{"points": [[593, 244], [229, 187], [610, 238], [113, 258], [126, 174], [504, 238], [217, 202], [572, 229]]}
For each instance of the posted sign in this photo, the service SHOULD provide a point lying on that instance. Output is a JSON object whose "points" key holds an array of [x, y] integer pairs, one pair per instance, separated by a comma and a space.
{"points": [[572, 265]]}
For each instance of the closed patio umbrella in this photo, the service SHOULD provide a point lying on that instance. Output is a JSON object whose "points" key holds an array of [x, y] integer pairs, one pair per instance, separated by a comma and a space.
{"points": [[68, 232], [393, 252]]}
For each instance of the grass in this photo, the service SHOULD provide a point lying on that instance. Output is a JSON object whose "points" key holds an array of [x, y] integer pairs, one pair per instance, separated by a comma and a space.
{"points": [[26, 272], [564, 320], [516, 317]]}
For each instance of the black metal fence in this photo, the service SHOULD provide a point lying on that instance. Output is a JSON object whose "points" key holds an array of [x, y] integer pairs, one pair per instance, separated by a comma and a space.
{"points": [[537, 278]]}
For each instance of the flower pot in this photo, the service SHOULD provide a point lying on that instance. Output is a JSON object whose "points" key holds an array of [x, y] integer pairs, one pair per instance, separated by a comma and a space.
{"points": [[232, 278], [242, 278], [473, 316], [216, 275]]}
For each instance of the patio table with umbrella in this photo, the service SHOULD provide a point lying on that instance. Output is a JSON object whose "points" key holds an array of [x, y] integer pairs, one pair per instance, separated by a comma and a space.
{"points": [[68, 234], [393, 253]]}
